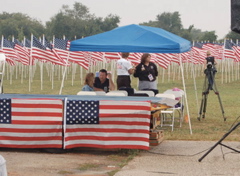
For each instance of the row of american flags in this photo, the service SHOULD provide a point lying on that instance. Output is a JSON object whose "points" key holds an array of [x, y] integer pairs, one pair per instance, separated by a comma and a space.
{"points": [[57, 123], [57, 52]]}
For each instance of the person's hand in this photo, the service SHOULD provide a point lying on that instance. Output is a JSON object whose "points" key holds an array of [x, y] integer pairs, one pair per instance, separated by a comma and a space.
{"points": [[109, 76]]}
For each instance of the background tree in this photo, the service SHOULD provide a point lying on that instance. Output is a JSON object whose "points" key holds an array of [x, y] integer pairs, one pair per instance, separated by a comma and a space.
{"points": [[234, 36], [209, 37], [168, 21], [79, 22], [19, 25], [172, 22]]}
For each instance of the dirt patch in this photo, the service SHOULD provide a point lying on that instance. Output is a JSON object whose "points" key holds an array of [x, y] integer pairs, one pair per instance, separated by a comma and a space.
{"points": [[34, 162]]}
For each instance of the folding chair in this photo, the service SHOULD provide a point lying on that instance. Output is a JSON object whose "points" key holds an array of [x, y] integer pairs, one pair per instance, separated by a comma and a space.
{"points": [[178, 95], [86, 93], [148, 92], [119, 93], [170, 112]]}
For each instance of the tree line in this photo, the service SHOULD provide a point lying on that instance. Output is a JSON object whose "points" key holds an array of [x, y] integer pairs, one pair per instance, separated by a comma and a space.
{"points": [[77, 22]]}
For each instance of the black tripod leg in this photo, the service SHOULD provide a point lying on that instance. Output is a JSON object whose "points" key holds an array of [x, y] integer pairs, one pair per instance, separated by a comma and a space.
{"points": [[219, 99], [219, 142], [205, 105], [203, 98], [201, 107]]}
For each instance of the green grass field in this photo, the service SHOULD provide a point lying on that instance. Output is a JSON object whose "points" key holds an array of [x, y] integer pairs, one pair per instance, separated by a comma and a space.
{"points": [[212, 128]]}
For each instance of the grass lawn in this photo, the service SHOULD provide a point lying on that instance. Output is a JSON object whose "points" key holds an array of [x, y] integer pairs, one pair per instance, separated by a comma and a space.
{"points": [[212, 128]]}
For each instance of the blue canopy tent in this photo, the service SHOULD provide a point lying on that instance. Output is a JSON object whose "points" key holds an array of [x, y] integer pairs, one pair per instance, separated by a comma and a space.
{"points": [[133, 38]]}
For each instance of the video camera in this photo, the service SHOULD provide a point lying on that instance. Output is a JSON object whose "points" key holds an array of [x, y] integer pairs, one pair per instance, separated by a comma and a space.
{"points": [[209, 65]]}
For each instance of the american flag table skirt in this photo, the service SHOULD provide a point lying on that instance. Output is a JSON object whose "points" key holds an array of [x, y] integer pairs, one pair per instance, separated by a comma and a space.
{"points": [[69, 123]]}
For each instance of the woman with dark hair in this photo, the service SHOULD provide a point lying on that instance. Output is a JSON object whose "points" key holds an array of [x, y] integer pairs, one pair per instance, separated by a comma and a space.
{"points": [[146, 72], [88, 84]]}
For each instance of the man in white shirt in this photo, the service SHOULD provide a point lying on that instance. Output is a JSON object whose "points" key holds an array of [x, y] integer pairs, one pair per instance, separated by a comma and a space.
{"points": [[124, 70]]}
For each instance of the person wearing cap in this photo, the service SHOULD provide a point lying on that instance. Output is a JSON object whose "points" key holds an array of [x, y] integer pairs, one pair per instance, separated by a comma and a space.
{"points": [[210, 59], [124, 70]]}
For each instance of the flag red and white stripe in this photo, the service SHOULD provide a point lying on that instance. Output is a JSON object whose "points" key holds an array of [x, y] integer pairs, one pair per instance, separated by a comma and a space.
{"points": [[35, 123]]}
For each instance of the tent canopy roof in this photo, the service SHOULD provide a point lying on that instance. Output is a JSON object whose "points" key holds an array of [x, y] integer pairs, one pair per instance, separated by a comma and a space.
{"points": [[133, 38]]}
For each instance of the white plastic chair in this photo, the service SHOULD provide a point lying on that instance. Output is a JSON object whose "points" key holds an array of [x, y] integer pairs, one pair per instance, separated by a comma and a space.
{"points": [[100, 93], [149, 93], [180, 95], [86, 93], [118, 93], [170, 111], [3, 169]]}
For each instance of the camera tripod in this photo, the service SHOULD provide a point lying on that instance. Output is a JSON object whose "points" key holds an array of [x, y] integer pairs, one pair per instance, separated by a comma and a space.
{"points": [[209, 84], [220, 142]]}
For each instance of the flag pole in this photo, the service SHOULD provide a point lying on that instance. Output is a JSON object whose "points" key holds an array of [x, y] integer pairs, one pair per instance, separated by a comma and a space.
{"points": [[3, 69], [53, 67], [223, 58], [30, 66], [41, 66], [64, 74]]}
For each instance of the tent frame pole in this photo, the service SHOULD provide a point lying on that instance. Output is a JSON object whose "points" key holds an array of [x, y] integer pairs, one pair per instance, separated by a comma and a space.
{"points": [[185, 96]]}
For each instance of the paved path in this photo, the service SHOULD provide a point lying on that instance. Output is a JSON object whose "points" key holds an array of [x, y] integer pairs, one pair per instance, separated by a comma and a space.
{"points": [[148, 164]]}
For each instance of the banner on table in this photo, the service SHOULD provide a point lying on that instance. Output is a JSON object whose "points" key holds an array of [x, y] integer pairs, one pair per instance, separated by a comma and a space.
{"points": [[39, 123], [31, 123], [107, 124]]}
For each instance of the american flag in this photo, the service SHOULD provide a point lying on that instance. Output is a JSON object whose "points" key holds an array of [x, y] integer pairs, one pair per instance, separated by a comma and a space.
{"points": [[62, 48], [236, 50], [212, 48], [43, 52], [198, 53], [107, 124], [98, 56], [229, 52], [8, 50], [111, 55], [175, 58], [22, 52], [53, 55], [31, 123], [185, 57], [163, 60], [135, 58]]}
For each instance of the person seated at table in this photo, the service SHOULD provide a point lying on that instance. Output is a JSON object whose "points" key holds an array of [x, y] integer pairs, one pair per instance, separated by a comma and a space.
{"points": [[147, 73], [88, 84], [104, 82]]}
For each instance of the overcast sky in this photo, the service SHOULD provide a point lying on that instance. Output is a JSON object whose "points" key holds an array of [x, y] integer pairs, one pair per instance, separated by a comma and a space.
{"points": [[204, 14]]}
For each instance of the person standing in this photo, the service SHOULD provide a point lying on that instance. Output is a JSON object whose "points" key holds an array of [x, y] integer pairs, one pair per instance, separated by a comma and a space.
{"points": [[147, 73], [210, 59], [210, 70], [124, 70], [104, 82]]}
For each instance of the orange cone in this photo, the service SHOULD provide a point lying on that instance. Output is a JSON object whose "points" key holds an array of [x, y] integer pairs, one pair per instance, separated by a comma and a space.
{"points": [[186, 118]]}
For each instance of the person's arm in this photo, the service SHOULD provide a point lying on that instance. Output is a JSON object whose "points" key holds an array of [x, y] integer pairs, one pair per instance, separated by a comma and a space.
{"points": [[131, 71], [156, 70], [111, 84], [130, 68], [97, 89], [95, 85], [136, 74]]}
